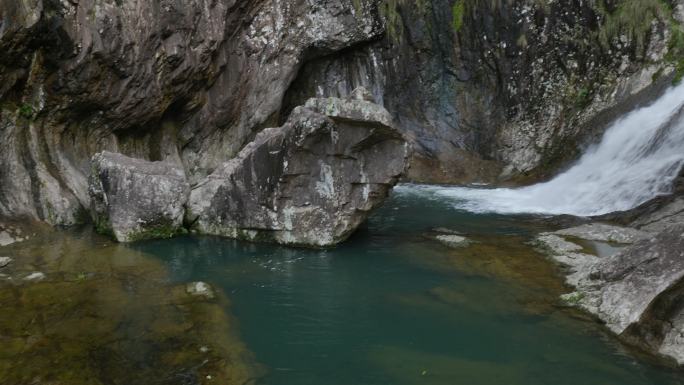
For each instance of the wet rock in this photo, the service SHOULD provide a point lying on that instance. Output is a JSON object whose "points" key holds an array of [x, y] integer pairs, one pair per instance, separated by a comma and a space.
{"points": [[569, 254], [4, 261], [133, 199], [604, 232], [668, 215], [310, 182]]}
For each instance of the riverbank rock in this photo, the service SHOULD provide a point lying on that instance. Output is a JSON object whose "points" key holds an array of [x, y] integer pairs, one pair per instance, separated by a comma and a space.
{"points": [[133, 199], [636, 290], [669, 214], [311, 182], [605, 233]]}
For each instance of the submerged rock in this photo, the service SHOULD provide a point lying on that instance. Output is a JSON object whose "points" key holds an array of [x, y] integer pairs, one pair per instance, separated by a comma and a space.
{"points": [[452, 240], [129, 325], [134, 199], [199, 289], [35, 276], [311, 182]]}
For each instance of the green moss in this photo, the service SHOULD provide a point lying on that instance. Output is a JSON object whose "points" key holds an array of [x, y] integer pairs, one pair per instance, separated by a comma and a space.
{"points": [[103, 227], [357, 7], [573, 299], [457, 11], [393, 21], [675, 53], [165, 231], [631, 18], [657, 75], [26, 111], [583, 97]]}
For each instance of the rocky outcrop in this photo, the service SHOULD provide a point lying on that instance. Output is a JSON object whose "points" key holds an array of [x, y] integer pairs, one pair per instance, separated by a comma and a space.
{"points": [[193, 82], [604, 232], [637, 291], [133, 199], [187, 82], [309, 182], [482, 87], [556, 73]]}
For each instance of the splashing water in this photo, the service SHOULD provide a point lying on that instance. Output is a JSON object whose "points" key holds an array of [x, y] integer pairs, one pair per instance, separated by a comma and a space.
{"points": [[638, 159]]}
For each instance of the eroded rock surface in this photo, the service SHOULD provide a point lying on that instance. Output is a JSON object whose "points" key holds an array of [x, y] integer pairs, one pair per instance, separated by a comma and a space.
{"points": [[668, 215], [310, 182], [605, 232], [190, 82], [637, 291], [133, 199], [476, 87]]}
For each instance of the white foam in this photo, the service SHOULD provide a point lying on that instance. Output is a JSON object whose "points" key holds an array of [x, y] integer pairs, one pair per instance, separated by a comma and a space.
{"points": [[638, 158]]}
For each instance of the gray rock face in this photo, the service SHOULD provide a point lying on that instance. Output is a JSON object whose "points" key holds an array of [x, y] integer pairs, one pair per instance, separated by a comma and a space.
{"points": [[192, 82], [670, 214], [604, 232], [133, 199], [637, 291], [632, 279], [520, 86], [310, 182]]}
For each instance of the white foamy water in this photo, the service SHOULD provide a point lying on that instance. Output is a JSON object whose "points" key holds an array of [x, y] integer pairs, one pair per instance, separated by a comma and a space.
{"points": [[638, 158]]}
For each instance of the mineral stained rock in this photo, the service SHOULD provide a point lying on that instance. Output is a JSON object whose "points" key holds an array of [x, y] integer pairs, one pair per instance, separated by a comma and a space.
{"points": [[309, 182], [133, 199]]}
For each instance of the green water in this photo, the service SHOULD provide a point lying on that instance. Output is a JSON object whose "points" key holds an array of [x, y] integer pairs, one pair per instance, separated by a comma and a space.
{"points": [[392, 306]]}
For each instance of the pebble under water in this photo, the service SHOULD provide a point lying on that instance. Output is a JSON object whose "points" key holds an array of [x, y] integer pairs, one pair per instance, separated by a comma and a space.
{"points": [[393, 306]]}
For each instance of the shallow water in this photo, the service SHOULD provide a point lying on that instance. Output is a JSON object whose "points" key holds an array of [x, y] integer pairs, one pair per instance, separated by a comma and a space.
{"points": [[392, 306]]}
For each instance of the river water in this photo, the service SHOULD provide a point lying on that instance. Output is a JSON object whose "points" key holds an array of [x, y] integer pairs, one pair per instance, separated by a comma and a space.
{"points": [[393, 306]]}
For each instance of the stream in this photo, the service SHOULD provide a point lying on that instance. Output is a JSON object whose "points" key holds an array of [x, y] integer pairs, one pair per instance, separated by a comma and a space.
{"points": [[394, 306]]}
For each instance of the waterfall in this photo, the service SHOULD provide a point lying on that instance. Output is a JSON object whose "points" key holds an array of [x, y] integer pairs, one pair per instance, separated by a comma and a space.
{"points": [[637, 159]]}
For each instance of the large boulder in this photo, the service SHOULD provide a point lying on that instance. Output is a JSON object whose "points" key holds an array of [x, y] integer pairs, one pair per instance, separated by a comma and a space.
{"points": [[133, 199], [311, 182]]}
